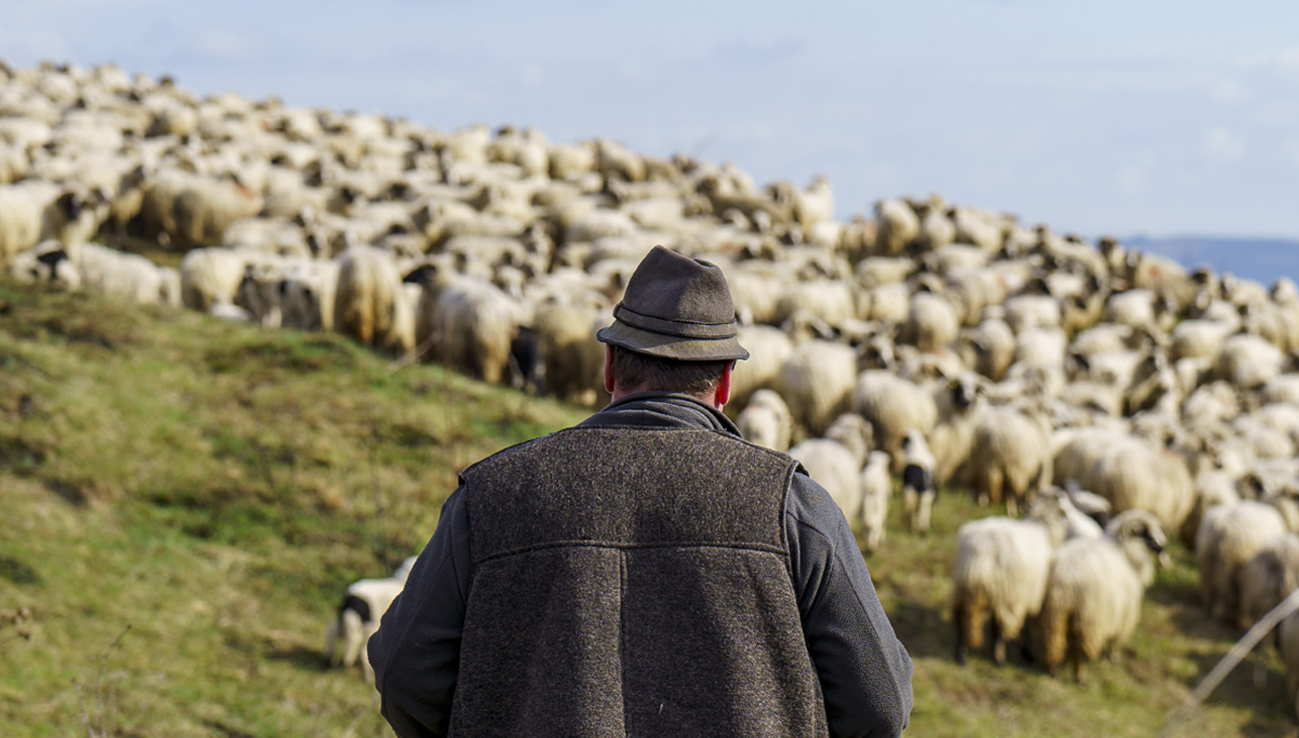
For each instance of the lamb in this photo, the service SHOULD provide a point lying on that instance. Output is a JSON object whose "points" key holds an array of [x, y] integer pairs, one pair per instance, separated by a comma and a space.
{"points": [[1094, 592], [364, 603], [766, 421], [1001, 567], [1228, 538], [877, 488], [1269, 576], [1010, 455], [817, 383], [918, 485], [893, 406]]}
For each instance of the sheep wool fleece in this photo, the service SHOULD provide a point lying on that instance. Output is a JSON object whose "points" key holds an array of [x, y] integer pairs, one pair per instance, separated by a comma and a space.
{"points": [[615, 594]]}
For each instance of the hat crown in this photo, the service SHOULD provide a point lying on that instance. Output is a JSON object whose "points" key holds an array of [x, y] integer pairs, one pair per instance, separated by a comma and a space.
{"points": [[678, 289], [676, 307]]}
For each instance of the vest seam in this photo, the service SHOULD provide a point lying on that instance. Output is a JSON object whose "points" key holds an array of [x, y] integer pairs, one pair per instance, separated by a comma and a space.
{"points": [[625, 546], [622, 634]]}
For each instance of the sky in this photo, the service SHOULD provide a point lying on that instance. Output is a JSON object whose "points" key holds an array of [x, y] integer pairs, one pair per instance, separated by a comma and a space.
{"points": [[1157, 118]]}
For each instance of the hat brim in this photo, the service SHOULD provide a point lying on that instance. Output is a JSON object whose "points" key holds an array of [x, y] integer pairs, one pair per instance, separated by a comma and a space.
{"points": [[672, 347]]}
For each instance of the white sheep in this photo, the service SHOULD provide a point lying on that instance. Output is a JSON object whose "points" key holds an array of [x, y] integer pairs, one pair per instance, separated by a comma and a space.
{"points": [[816, 382], [1011, 452], [571, 357], [877, 489], [366, 301], [1269, 576], [1001, 569], [1229, 536], [766, 421], [1093, 596], [1133, 474], [932, 322], [211, 276], [768, 348], [893, 406], [836, 469], [1248, 361], [468, 323], [123, 276], [898, 226]]}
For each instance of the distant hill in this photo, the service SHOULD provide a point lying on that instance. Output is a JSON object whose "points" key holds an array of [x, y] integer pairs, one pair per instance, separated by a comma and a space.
{"points": [[1252, 258]]}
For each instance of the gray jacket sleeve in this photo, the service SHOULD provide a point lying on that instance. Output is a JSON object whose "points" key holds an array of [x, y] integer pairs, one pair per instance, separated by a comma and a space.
{"points": [[416, 652], [864, 669]]}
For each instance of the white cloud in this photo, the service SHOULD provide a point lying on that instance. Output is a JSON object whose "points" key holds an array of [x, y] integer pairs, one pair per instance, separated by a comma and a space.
{"points": [[1221, 146], [1228, 91]]}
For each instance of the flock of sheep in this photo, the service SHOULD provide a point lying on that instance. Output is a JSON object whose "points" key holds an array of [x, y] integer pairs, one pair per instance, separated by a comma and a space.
{"points": [[947, 345]]}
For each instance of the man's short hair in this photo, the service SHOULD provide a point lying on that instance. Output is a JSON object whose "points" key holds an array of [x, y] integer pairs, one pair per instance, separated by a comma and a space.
{"points": [[632, 369]]}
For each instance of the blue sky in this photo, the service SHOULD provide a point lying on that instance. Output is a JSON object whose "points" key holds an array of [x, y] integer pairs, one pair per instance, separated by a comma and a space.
{"points": [[1106, 117]]}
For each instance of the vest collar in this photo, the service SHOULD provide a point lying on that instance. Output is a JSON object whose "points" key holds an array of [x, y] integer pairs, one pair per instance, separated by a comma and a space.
{"points": [[668, 410]]}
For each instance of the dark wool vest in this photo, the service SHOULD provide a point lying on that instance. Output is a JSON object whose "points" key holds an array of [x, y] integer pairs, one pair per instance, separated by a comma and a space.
{"points": [[631, 582]]}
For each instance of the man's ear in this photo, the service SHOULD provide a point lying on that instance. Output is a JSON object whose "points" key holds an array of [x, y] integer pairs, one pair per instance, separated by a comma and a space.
{"points": [[608, 369], [723, 395]]}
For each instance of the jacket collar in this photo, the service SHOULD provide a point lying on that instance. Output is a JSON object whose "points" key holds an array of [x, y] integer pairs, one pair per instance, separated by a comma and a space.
{"points": [[668, 410]]}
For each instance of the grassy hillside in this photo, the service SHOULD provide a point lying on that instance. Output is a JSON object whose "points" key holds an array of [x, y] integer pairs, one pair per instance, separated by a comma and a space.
{"points": [[185, 500]]}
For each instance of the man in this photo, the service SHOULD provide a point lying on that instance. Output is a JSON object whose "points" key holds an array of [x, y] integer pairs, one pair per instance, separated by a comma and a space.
{"points": [[646, 572]]}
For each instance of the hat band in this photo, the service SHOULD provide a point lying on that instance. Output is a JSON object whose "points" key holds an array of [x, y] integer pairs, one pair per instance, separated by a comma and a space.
{"points": [[674, 327]]}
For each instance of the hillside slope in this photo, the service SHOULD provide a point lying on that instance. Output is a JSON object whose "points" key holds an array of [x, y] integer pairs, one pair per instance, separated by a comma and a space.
{"points": [[213, 487]]}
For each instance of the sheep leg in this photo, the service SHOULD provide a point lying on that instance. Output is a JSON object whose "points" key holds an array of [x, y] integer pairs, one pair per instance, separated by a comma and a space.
{"points": [[960, 618], [994, 488], [926, 512], [1076, 654], [998, 643], [909, 500]]}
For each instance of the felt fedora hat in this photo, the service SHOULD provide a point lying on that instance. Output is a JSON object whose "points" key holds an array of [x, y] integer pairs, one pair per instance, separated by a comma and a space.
{"points": [[676, 307]]}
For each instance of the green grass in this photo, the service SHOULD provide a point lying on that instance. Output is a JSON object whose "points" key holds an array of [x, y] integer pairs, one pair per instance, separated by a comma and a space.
{"points": [[213, 487]]}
